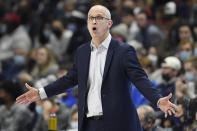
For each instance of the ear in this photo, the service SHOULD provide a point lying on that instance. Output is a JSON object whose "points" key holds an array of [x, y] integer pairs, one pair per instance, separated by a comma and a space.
{"points": [[110, 23]]}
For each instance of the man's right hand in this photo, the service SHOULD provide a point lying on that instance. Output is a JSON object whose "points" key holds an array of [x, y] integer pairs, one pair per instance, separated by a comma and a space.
{"points": [[27, 98]]}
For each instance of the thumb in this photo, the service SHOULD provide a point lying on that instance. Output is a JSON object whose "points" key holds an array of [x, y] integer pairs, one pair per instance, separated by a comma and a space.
{"points": [[169, 96], [27, 86]]}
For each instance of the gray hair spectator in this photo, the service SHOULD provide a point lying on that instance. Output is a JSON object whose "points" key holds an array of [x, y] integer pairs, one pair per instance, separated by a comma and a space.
{"points": [[13, 117]]}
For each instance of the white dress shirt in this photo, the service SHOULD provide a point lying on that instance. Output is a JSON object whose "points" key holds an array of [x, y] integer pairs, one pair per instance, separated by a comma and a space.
{"points": [[95, 78], [96, 70]]}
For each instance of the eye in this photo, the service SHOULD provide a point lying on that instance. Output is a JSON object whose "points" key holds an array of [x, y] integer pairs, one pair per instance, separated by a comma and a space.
{"points": [[91, 18], [99, 18]]}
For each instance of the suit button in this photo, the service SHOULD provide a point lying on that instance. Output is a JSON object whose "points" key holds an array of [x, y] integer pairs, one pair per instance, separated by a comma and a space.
{"points": [[103, 95]]}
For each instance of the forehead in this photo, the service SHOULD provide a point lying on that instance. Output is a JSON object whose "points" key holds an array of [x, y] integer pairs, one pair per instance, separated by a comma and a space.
{"points": [[184, 28], [97, 11]]}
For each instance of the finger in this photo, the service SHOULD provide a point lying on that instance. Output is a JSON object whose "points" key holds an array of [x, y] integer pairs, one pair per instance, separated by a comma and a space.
{"points": [[173, 111], [23, 102], [20, 97], [169, 112], [175, 107], [27, 86], [166, 114], [169, 96]]}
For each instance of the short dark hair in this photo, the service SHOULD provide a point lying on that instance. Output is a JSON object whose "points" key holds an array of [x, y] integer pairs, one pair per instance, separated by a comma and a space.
{"points": [[14, 89], [127, 11]]}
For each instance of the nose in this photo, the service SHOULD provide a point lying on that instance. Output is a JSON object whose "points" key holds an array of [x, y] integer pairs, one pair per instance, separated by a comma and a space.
{"points": [[94, 20]]}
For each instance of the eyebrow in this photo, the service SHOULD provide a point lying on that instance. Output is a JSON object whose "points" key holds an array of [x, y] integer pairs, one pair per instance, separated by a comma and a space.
{"points": [[99, 14]]}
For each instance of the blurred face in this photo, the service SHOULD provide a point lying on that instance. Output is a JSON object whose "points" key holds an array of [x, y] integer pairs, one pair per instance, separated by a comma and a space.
{"points": [[188, 66], [184, 33], [99, 22], [42, 56], [141, 20], [186, 47], [168, 73], [127, 19]]}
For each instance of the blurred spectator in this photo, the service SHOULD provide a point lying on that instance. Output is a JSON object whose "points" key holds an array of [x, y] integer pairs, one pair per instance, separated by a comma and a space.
{"points": [[185, 33], [59, 39], [119, 32], [37, 123], [14, 33], [128, 19], [153, 56], [13, 117], [74, 120], [167, 76], [186, 49], [149, 34], [45, 65], [170, 23], [16, 64], [62, 112], [147, 117]]}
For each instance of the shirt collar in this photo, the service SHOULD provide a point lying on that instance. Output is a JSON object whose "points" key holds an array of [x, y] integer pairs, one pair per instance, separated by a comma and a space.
{"points": [[104, 44]]}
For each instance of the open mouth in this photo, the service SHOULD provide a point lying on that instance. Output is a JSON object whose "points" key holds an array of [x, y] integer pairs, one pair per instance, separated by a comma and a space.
{"points": [[94, 28]]}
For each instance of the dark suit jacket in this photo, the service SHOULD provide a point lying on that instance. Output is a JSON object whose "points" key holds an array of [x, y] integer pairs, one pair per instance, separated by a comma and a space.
{"points": [[121, 68]]}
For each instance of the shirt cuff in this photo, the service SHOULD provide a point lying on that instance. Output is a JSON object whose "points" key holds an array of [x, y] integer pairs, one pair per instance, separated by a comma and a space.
{"points": [[42, 93], [158, 103]]}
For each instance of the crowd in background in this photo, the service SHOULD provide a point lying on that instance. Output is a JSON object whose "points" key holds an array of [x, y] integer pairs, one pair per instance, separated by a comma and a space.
{"points": [[38, 40]]}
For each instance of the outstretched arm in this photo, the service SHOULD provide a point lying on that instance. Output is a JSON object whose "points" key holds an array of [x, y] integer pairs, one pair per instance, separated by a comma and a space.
{"points": [[139, 78], [32, 95]]}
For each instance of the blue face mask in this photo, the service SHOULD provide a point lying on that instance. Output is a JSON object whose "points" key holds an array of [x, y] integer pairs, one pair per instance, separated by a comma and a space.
{"points": [[184, 55], [195, 51], [19, 60], [190, 76], [39, 110], [47, 33]]}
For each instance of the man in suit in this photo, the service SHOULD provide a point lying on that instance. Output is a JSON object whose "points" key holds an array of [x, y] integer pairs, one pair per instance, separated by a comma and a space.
{"points": [[103, 70]]}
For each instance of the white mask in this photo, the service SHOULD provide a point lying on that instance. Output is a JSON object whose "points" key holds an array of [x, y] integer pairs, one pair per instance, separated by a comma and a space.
{"points": [[74, 124]]}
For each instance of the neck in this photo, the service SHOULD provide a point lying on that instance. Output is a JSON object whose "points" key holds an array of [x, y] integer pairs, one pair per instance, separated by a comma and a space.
{"points": [[97, 41]]}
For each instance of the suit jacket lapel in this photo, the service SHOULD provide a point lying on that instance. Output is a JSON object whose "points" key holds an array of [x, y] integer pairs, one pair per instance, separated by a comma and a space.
{"points": [[108, 58], [86, 62]]}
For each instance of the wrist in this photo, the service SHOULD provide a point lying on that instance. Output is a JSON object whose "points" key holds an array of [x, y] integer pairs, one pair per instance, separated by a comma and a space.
{"points": [[158, 102]]}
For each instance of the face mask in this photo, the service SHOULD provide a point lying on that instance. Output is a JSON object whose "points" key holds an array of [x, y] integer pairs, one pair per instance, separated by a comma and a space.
{"points": [[74, 124], [184, 55], [166, 77], [190, 76], [47, 33], [19, 60], [39, 110], [153, 58], [57, 32], [195, 51]]}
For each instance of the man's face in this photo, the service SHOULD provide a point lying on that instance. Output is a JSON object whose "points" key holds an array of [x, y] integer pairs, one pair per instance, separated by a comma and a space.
{"points": [[127, 19], [184, 33], [141, 20], [99, 22]]}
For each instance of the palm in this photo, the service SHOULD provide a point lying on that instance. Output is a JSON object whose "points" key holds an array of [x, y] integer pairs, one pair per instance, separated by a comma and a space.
{"points": [[31, 96], [166, 106]]}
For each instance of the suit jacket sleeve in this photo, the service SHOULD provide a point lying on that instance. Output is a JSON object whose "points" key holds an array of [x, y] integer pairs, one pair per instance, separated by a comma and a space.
{"points": [[67, 81], [138, 77]]}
